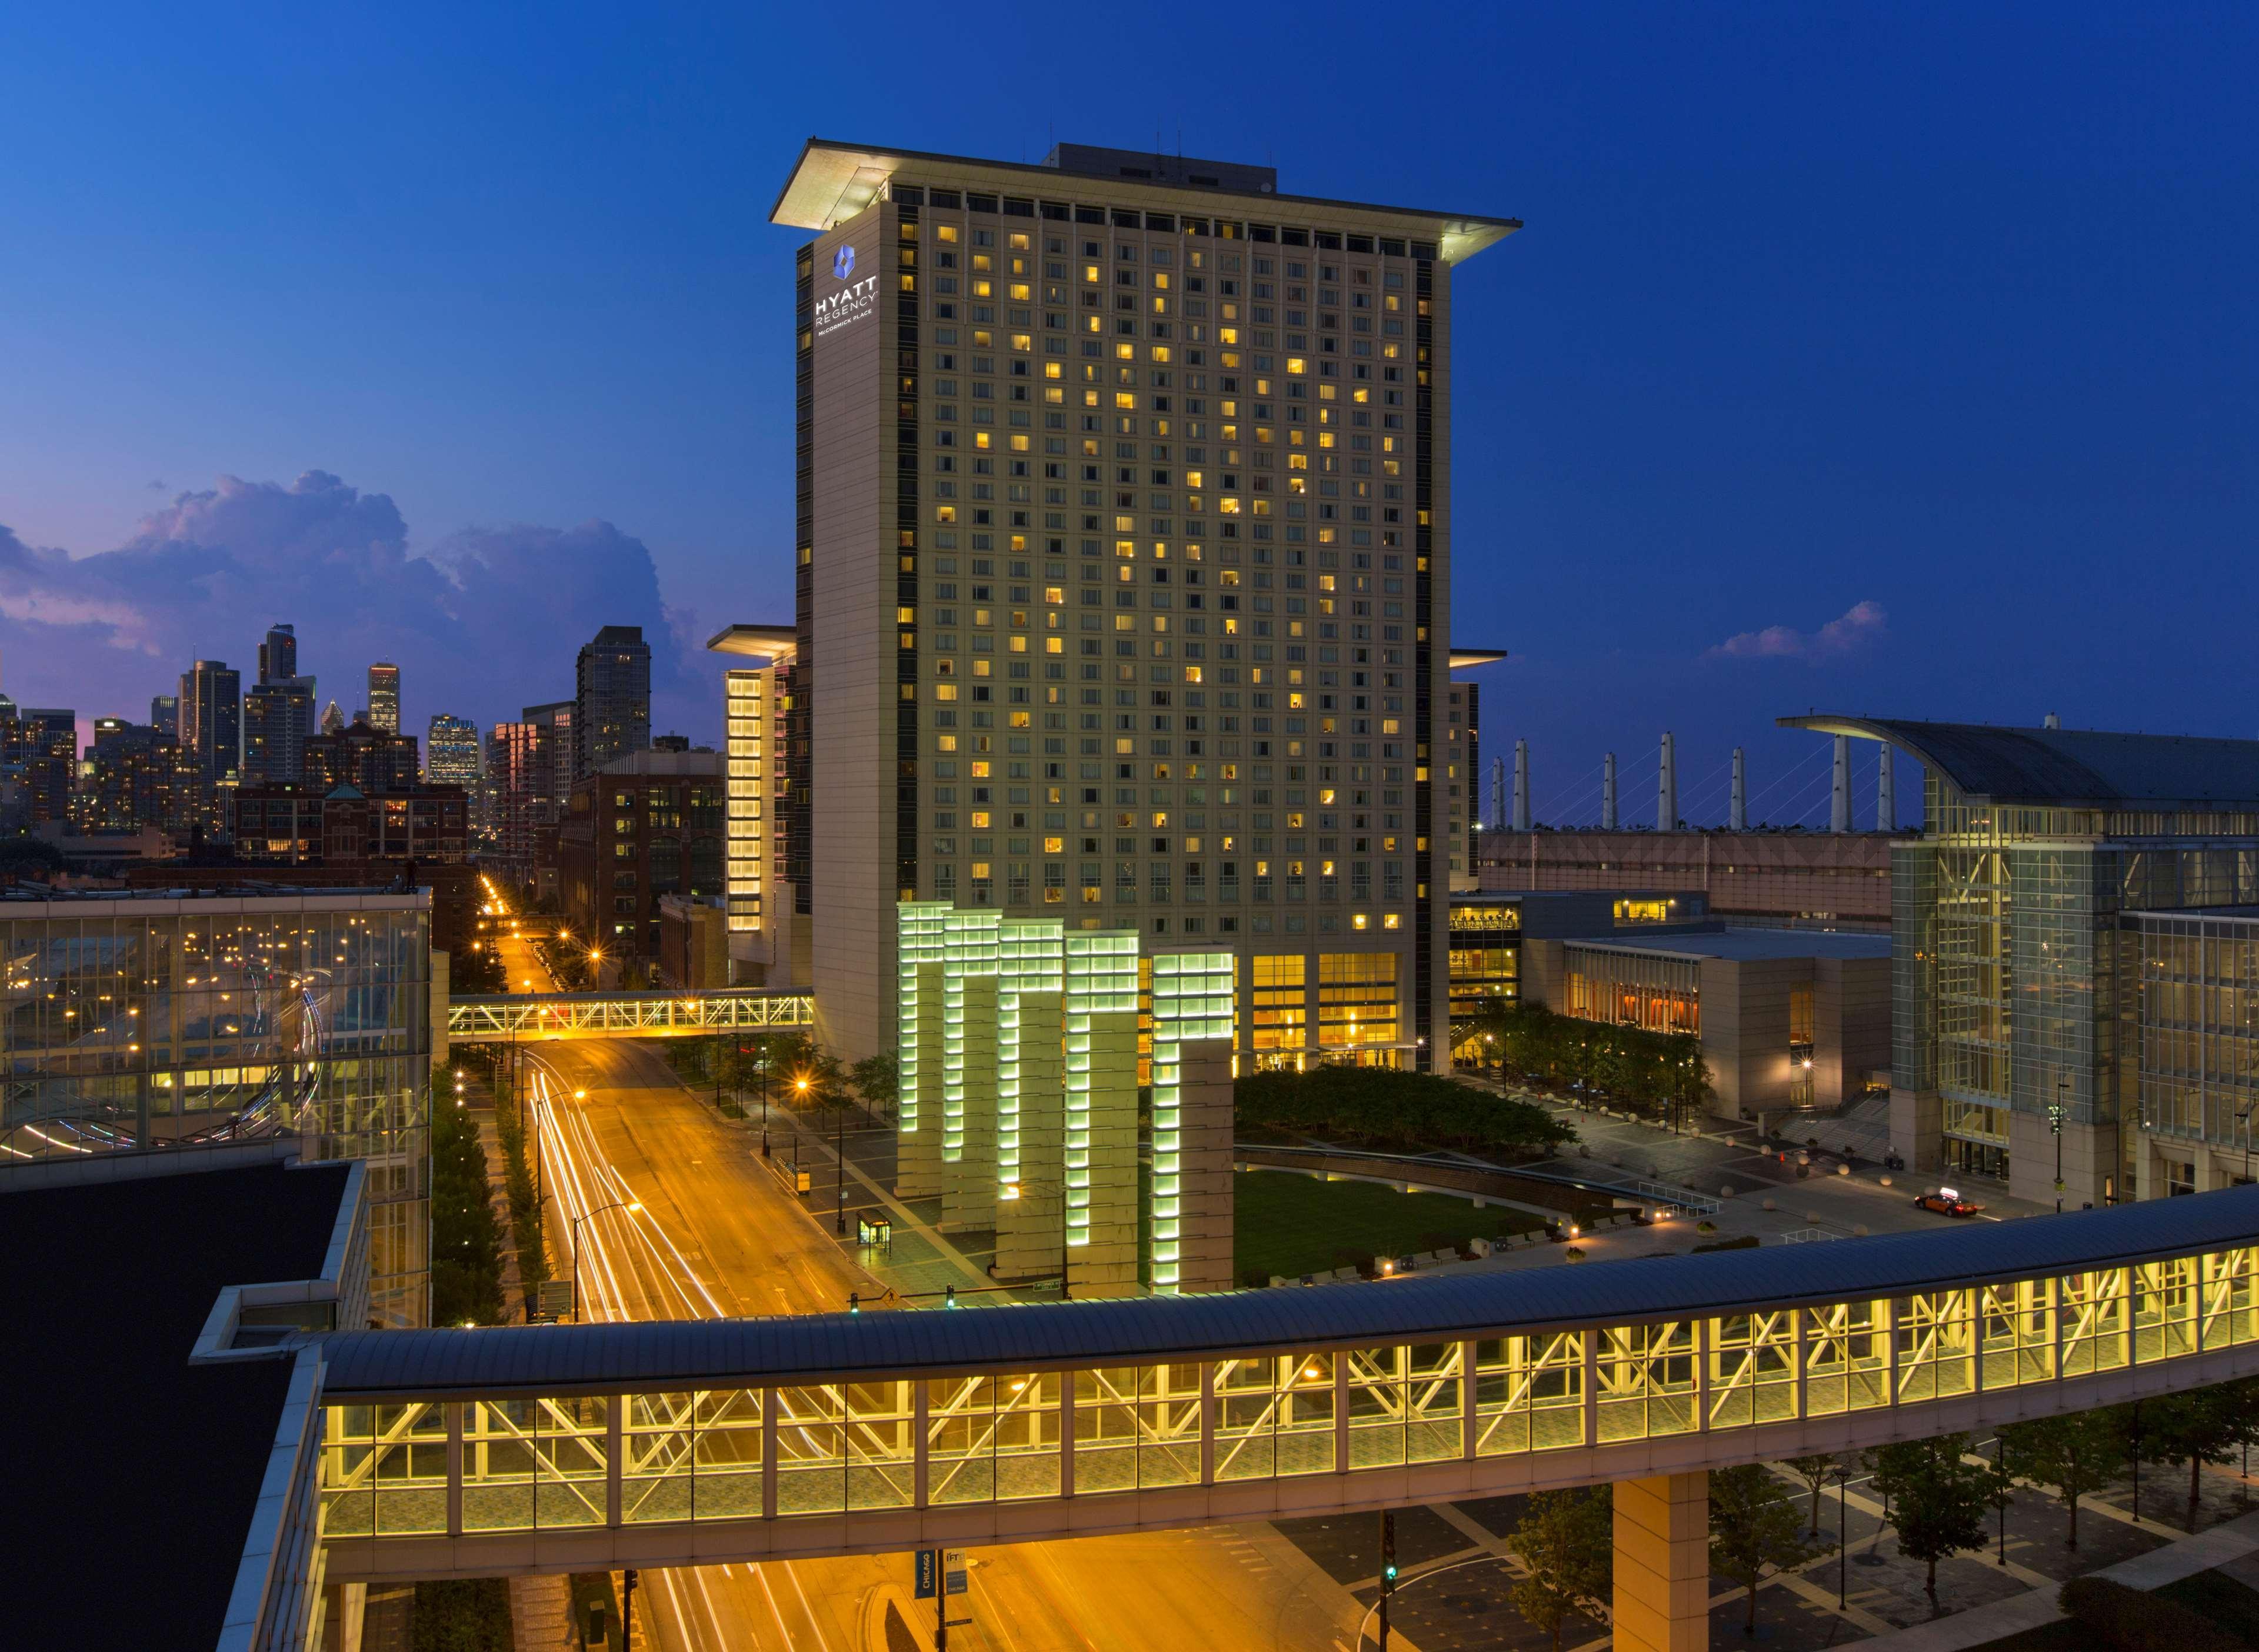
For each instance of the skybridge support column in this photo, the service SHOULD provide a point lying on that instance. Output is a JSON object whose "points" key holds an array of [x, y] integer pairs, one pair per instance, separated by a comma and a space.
{"points": [[1662, 1601]]}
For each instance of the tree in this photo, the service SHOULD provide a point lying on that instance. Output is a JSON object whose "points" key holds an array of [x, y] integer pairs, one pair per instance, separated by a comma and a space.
{"points": [[1941, 1498], [1815, 1472], [1567, 1540], [1753, 1525], [2205, 1424], [466, 1239], [878, 1079], [2079, 1452]]}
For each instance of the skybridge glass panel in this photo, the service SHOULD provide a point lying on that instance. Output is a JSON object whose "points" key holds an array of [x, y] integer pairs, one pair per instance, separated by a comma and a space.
{"points": [[384, 1470], [811, 1449], [1406, 1404], [2164, 1309], [727, 1467], [1274, 1415], [1529, 1394], [498, 1459], [571, 1455], [2017, 1325], [993, 1438], [881, 1445], [2231, 1306], [657, 1447], [1936, 1345], [1645, 1379], [2096, 1312], [1846, 1357], [1136, 1426], [1752, 1362]]}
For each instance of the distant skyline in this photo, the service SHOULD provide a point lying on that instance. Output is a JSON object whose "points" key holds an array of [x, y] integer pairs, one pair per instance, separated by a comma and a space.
{"points": [[1895, 362]]}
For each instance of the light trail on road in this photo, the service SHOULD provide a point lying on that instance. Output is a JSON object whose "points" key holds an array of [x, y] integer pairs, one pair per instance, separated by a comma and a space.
{"points": [[584, 1181], [717, 1236]]}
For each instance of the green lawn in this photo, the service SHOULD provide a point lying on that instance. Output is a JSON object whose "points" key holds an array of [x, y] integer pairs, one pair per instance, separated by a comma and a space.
{"points": [[1290, 1225]]}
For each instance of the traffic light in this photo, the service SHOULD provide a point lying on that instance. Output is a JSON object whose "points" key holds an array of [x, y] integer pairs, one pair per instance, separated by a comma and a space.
{"points": [[1387, 1550], [854, 1301]]}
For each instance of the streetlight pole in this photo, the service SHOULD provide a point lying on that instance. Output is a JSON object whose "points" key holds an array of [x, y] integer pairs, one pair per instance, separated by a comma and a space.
{"points": [[1387, 1570], [2054, 1124], [839, 1169], [1842, 1538], [1999, 1457], [617, 1204]]}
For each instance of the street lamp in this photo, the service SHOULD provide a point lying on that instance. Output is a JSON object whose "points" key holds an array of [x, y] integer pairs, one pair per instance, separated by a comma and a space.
{"points": [[617, 1204]]}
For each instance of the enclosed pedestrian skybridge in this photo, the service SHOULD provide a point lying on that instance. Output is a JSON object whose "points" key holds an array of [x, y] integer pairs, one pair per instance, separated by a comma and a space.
{"points": [[533, 1016], [539, 1448]]}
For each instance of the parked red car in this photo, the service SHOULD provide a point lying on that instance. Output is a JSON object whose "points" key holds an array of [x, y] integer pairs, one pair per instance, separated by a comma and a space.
{"points": [[1945, 1202]]}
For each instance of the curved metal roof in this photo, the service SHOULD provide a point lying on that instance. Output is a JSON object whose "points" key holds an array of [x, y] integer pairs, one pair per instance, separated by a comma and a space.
{"points": [[2068, 767], [654, 1356]]}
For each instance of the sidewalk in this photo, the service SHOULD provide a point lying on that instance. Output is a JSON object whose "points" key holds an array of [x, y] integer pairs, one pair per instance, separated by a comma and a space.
{"points": [[920, 1263]]}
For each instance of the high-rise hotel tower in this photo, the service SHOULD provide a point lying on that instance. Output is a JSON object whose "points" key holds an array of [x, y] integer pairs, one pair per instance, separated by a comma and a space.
{"points": [[1124, 576]]}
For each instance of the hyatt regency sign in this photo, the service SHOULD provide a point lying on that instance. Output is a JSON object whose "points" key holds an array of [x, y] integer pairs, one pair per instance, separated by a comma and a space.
{"points": [[853, 301]]}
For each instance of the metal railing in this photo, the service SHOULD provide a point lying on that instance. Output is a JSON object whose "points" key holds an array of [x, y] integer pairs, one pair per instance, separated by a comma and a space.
{"points": [[624, 1015]]}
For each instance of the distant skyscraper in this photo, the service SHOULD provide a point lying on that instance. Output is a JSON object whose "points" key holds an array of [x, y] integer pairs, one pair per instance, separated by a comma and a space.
{"points": [[384, 696], [212, 717], [451, 752], [334, 720], [612, 699], [134, 776], [517, 777], [551, 753], [278, 655], [165, 715], [278, 720], [363, 756], [50, 748]]}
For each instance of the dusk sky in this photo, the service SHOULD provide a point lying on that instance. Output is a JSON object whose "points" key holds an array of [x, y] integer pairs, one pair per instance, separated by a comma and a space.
{"points": [[1896, 360]]}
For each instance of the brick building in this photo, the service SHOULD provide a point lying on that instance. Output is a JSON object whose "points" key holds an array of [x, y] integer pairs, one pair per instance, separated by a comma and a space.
{"points": [[647, 825]]}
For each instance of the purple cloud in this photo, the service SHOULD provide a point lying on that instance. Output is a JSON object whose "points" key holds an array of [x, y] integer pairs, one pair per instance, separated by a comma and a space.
{"points": [[488, 621], [1853, 631]]}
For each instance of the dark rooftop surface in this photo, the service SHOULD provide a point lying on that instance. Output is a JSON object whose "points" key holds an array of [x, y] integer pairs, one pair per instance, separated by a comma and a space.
{"points": [[132, 1473], [2067, 767], [730, 1353], [1743, 945]]}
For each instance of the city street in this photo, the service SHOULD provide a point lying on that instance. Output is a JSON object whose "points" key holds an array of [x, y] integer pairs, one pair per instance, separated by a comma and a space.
{"points": [[718, 1234]]}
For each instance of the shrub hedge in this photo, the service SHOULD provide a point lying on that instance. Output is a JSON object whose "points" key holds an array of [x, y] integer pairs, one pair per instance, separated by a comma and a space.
{"points": [[1383, 1108], [2135, 1621]]}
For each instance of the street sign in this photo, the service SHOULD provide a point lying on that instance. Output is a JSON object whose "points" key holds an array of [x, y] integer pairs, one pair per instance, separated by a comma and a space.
{"points": [[947, 1564], [554, 1298]]}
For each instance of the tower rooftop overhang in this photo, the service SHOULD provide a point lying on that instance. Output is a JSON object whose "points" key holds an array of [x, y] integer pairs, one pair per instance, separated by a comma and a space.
{"points": [[833, 181]]}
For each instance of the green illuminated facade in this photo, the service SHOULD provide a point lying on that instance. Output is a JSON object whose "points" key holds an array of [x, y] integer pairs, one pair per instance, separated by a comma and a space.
{"points": [[1019, 1045]]}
